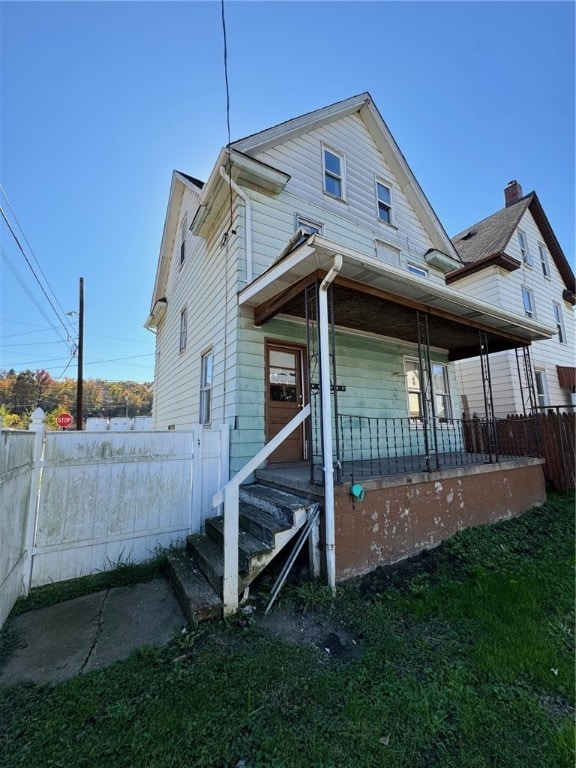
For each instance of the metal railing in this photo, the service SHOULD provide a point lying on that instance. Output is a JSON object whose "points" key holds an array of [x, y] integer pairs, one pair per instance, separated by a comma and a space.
{"points": [[378, 446]]}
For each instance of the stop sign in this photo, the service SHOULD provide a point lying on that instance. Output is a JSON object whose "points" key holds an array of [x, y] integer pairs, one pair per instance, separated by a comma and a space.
{"points": [[64, 420]]}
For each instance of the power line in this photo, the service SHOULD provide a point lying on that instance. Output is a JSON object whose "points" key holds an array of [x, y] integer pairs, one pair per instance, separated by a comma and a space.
{"points": [[34, 255], [17, 241]]}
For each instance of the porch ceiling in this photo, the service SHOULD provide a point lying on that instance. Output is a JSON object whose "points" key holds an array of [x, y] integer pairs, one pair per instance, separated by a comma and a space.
{"points": [[375, 297]]}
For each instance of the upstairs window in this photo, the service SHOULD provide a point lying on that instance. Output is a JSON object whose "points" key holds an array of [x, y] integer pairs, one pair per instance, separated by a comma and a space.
{"points": [[544, 260], [417, 270], [384, 202], [183, 329], [523, 244], [528, 301], [333, 173], [387, 253], [183, 231], [206, 370], [559, 323]]}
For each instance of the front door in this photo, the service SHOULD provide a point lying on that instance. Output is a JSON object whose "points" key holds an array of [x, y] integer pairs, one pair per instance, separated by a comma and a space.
{"points": [[284, 397]]}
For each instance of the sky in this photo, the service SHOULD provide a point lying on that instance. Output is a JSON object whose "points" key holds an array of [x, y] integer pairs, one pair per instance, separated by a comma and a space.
{"points": [[101, 101]]}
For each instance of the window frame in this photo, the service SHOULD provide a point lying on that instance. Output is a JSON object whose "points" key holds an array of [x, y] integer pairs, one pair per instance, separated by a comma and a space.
{"points": [[341, 178], [545, 264], [183, 335], [183, 234], [380, 181], [557, 310], [529, 293], [414, 269], [541, 393], [205, 399], [303, 222], [446, 395], [527, 257]]}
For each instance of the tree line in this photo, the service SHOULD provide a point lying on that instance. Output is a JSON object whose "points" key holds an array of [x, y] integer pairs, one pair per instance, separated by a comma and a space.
{"points": [[23, 392]]}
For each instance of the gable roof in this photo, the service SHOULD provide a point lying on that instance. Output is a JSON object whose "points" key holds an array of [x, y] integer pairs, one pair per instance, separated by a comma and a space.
{"points": [[362, 104], [483, 244]]}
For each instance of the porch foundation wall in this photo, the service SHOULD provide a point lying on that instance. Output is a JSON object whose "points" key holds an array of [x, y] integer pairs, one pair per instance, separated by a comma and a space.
{"points": [[400, 517]]}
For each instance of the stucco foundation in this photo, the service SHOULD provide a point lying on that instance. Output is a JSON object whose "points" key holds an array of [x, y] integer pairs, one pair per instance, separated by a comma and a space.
{"points": [[400, 516]]}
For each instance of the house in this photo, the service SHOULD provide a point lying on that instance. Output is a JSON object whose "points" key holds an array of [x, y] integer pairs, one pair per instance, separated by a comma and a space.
{"points": [[513, 259], [301, 299]]}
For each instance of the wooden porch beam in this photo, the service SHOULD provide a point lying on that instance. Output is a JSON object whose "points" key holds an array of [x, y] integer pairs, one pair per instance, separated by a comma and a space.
{"points": [[268, 309]]}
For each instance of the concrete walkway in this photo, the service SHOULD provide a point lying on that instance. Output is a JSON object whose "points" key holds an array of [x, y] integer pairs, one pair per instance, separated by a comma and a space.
{"points": [[91, 632]]}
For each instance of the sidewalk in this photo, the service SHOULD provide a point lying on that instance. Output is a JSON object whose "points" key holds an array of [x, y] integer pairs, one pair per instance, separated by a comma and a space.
{"points": [[91, 632]]}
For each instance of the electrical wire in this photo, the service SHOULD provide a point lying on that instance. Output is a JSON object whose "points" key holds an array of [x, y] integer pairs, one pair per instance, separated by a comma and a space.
{"points": [[69, 328]]}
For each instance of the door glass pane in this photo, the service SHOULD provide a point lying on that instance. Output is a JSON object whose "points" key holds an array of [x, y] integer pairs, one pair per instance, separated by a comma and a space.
{"points": [[282, 376]]}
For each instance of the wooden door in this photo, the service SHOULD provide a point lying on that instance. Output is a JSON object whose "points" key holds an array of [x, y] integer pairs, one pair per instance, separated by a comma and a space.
{"points": [[284, 397]]}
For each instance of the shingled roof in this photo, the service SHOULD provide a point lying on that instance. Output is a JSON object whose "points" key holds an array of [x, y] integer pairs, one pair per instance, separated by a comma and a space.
{"points": [[484, 244]]}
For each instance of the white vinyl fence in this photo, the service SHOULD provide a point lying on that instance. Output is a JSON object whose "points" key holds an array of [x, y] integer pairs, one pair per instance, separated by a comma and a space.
{"points": [[94, 500]]}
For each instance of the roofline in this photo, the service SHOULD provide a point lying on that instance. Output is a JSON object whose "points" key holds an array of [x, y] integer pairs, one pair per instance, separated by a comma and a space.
{"points": [[551, 240], [498, 259]]}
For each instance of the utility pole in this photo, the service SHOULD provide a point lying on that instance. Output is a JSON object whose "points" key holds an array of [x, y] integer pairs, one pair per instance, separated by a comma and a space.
{"points": [[80, 383]]}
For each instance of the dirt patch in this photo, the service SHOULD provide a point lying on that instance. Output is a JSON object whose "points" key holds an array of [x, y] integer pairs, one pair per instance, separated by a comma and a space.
{"points": [[294, 627]]}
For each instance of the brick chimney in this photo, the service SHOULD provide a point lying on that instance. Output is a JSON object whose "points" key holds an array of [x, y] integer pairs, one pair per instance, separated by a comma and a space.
{"points": [[512, 193]]}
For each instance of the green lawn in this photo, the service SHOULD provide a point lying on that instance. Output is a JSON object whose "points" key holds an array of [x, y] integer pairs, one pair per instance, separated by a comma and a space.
{"points": [[463, 658]]}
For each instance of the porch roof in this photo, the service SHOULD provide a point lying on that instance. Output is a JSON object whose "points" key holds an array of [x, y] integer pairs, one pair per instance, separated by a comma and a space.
{"points": [[376, 297]]}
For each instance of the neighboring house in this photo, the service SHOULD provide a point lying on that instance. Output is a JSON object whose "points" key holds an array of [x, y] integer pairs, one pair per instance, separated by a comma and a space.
{"points": [[304, 284], [513, 260]]}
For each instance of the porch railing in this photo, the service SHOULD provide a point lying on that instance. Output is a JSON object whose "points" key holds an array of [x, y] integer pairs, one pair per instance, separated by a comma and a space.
{"points": [[376, 446]]}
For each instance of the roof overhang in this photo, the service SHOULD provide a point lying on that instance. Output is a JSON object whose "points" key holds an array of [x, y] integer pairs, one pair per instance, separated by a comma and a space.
{"points": [[157, 314], [566, 376], [376, 297], [499, 259], [245, 171]]}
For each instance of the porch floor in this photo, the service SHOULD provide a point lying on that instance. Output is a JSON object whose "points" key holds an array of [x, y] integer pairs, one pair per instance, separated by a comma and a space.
{"points": [[296, 475]]}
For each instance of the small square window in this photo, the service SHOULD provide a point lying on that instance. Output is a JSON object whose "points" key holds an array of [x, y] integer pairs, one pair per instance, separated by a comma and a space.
{"points": [[333, 173], [183, 329], [206, 371], [528, 301], [309, 226], [417, 270], [384, 199]]}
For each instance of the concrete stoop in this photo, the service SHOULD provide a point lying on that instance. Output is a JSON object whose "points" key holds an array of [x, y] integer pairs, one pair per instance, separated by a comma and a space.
{"points": [[269, 518]]}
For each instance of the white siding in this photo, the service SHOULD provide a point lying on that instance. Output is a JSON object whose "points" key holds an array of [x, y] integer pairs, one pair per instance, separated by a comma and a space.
{"points": [[504, 290]]}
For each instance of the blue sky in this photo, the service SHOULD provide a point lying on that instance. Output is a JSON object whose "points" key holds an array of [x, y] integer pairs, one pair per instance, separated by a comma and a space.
{"points": [[101, 101]]}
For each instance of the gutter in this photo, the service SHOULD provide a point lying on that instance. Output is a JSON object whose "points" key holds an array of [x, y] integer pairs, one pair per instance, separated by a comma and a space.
{"points": [[327, 422], [248, 228]]}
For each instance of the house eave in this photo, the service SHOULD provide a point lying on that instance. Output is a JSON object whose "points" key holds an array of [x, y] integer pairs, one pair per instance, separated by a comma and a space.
{"points": [[499, 259], [245, 171], [362, 273], [156, 315]]}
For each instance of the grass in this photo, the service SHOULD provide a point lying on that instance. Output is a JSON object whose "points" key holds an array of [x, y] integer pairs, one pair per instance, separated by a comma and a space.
{"points": [[465, 660]]}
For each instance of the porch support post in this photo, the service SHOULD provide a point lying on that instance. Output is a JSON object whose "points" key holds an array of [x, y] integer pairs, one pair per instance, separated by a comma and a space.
{"points": [[488, 398], [323, 332]]}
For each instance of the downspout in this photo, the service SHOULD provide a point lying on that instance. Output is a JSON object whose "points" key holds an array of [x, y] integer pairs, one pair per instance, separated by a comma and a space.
{"points": [[248, 228], [327, 422]]}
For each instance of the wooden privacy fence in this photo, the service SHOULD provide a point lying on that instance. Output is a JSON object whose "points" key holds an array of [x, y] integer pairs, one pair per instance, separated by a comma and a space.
{"points": [[549, 434]]}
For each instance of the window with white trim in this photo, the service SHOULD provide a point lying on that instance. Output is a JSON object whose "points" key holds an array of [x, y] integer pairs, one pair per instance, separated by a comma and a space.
{"points": [[387, 253], [417, 270], [524, 251], [333, 163], [440, 391], [384, 201], [206, 371], [528, 301], [183, 231], [309, 226], [544, 260], [559, 322], [541, 387], [183, 329]]}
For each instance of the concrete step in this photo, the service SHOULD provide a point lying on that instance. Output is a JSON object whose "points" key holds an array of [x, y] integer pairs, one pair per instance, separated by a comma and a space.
{"points": [[249, 546], [280, 504], [197, 597]]}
